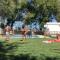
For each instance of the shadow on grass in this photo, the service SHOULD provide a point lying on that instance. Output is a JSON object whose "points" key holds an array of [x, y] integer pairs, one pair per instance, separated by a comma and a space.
{"points": [[52, 58], [26, 57], [21, 57], [5, 47], [3, 57], [2, 49]]}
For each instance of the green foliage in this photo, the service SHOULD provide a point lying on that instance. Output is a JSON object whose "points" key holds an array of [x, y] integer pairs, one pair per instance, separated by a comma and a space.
{"points": [[10, 8], [7, 8]]}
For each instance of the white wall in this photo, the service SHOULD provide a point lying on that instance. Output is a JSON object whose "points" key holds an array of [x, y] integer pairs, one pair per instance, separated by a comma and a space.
{"points": [[52, 28]]}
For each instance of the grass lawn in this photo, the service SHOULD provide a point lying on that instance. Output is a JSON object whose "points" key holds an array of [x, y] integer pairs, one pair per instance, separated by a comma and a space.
{"points": [[33, 47]]}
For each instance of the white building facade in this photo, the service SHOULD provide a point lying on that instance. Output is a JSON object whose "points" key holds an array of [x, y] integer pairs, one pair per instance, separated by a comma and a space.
{"points": [[52, 28]]}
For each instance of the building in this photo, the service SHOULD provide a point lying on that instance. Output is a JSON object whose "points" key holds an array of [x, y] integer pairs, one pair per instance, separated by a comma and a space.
{"points": [[52, 28]]}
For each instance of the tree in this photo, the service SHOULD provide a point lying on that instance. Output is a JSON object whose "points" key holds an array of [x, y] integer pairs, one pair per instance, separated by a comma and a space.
{"points": [[43, 8], [8, 8]]}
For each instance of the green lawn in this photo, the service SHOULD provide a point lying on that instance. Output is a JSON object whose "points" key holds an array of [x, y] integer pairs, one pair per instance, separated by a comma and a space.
{"points": [[33, 47]]}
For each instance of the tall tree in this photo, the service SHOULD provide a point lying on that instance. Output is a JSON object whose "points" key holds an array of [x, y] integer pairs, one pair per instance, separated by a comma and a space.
{"points": [[8, 7]]}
